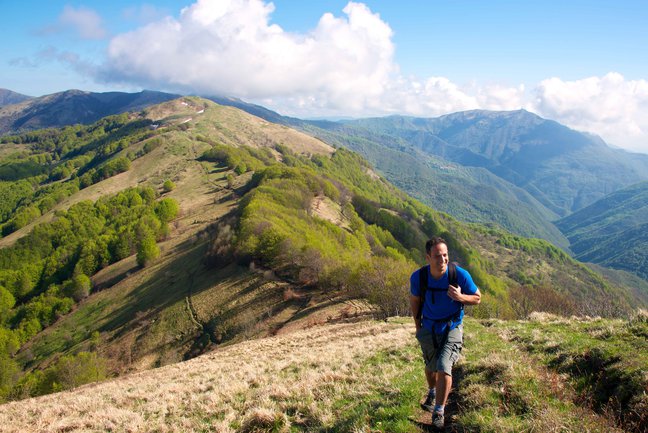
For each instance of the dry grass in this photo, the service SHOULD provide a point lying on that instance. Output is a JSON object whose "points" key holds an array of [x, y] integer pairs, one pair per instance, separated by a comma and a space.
{"points": [[327, 209], [251, 386]]}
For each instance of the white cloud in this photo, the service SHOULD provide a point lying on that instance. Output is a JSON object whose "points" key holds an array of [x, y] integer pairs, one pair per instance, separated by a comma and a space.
{"points": [[345, 67], [611, 106], [229, 47], [85, 22], [144, 14]]}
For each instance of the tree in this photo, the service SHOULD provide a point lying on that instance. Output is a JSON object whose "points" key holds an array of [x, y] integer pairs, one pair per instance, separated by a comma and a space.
{"points": [[167, 209], [7, 302], [78, 287], [9, 342], [147, 249]]}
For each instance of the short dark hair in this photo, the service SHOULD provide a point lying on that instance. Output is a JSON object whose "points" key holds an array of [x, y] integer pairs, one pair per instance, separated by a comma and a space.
{"points": [[432, 242]]}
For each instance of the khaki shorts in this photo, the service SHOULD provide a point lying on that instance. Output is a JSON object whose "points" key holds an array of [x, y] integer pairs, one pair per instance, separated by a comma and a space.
{"points": [[444, 358]]}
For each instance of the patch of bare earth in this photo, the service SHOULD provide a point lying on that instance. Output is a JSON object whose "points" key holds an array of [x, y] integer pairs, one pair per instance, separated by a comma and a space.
{"points": [[329, 210]]}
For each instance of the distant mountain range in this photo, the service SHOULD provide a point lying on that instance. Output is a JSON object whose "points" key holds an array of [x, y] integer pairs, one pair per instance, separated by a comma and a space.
{"points": [[514, 169], [71, 107], [563, 169]]}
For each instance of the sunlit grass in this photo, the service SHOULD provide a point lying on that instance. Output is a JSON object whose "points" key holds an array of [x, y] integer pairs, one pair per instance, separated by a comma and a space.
{"points": [[363, 377]]}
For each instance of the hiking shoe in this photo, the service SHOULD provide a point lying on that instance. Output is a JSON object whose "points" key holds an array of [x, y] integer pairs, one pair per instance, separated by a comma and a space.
{"points": [[428, 404], [438, 420]]}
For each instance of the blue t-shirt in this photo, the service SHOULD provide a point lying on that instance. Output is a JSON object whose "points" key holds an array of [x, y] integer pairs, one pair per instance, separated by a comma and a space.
{"points": [[443, 306]]}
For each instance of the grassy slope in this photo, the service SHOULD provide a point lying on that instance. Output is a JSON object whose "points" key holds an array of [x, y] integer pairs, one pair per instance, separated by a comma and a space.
{"points": [[513, 376], [174, 308]]}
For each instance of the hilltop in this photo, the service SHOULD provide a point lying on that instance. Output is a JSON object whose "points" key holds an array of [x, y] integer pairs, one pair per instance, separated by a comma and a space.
{"points": [[7, 97]]}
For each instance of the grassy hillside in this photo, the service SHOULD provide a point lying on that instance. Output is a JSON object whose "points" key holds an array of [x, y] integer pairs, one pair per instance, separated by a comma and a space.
{"points": [[470, 194], [275, 231], [137, 318], [546, 374], [612, 232]]}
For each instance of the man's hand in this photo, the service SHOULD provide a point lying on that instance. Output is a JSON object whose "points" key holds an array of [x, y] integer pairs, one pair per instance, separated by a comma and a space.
{"points": [[455, 293], [415, 303]]}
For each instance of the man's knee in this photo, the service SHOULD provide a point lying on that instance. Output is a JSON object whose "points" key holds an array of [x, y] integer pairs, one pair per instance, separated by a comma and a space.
{"points": [[444, 366]]}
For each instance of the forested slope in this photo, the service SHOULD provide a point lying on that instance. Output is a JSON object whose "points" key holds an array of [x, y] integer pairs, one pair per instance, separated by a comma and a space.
{"points": [[613, 231]]}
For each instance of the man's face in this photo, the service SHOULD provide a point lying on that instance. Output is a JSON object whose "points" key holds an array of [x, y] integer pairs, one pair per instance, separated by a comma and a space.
{"points": [[438, 260]]}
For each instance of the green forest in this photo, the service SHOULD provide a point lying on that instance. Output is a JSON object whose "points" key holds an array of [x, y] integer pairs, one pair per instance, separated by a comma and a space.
{"points": [[47, 272]]}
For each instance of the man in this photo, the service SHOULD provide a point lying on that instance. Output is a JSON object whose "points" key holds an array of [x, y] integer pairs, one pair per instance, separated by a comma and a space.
{"points": [[439, 328]]}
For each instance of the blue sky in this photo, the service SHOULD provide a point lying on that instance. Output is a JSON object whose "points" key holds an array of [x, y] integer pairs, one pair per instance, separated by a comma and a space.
{"points": [[581, 63]]}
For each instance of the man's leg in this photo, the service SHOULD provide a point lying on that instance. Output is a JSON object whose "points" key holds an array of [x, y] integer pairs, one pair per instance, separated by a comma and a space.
{"points": [[448, 356], [431, 377], [425, 338], [443, 386]]}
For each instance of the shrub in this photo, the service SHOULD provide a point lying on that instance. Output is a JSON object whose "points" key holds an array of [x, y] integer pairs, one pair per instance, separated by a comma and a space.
{"points": [[68, 372], [72, 371], [9, 376], [168, 186]]}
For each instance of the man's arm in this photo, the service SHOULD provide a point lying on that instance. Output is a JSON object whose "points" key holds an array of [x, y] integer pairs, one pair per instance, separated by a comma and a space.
{"points": [[415, 304], [455, 293]]}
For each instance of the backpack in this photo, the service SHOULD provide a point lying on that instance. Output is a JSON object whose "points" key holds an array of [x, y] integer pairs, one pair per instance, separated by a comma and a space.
{"points": [[423, 284]]}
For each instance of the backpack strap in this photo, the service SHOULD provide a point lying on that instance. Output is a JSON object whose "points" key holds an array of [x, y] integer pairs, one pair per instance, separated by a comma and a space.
{"points": [[452, 277], [423, 286], [452, 274]]}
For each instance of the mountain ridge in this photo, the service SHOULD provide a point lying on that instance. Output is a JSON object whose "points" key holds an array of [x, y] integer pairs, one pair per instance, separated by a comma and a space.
{"points": [[601, 232], [9, 97], [73, 106], [481, 187], [522, 148]]}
